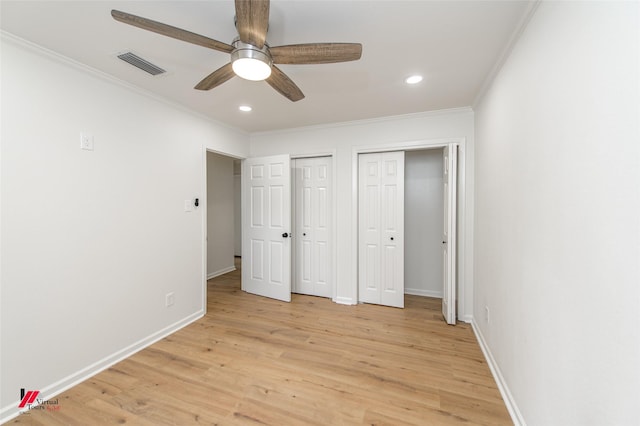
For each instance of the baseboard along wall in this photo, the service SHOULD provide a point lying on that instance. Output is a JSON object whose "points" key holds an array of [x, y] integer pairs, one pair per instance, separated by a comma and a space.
{"points": [[49, 392], [514, 412]]}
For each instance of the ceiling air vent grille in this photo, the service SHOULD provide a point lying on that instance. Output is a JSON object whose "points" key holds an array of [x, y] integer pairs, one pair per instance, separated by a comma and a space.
{"points": [[138, 62]]}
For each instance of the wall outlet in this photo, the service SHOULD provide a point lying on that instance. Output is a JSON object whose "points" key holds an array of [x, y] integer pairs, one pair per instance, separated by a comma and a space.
{"points": [[486, 314], [170, 299], [86, 141]]}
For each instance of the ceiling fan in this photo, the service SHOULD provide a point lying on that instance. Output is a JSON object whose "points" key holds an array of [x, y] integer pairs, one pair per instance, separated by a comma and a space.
{"points": [[251, 57]]}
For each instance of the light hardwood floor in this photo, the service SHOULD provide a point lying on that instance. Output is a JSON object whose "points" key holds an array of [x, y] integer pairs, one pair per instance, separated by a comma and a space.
{"points": [[253, 360]]}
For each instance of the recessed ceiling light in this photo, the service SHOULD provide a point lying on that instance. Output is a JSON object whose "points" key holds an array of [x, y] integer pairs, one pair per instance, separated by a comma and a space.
{"points": [[414, 79], [244, 108]]}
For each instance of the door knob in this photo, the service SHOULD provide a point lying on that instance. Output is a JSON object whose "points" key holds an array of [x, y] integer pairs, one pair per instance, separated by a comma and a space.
{"points": [[285, 235]]}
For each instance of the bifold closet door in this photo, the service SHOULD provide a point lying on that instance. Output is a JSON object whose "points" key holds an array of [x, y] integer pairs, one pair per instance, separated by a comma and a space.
{"points": [[381, 228], [450, 157], [312, 219]]}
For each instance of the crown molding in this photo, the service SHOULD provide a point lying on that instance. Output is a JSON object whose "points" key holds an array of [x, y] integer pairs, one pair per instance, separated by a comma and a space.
{"points": [[65, 60]]}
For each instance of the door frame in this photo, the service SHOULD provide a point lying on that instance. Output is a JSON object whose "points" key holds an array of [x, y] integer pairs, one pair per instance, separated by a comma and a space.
{"points": [[334, 215], [416, 145]]}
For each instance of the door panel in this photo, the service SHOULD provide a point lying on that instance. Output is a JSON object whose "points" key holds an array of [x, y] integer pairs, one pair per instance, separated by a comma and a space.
{"points": [[449, 234], [257, 254], [371, 273], [369, 228], [322, 258], [266, 253], [312, 193], [381, 228]]}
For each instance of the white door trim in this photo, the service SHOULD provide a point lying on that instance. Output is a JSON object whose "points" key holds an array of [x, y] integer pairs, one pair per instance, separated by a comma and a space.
{"points": [[463, 315]]}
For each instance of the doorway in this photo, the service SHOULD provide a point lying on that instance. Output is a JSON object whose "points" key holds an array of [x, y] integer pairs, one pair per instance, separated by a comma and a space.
{"points": [[423, 213], [222, 219]]}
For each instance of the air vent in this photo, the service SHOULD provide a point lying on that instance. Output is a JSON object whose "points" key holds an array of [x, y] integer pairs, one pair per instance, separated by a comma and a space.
{"points": [[138, 62]]}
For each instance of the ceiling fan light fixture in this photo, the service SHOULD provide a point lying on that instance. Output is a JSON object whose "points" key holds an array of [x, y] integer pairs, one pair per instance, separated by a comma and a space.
{"points": [[249, 62], [251, 56], [251, 69], [414, 79]]}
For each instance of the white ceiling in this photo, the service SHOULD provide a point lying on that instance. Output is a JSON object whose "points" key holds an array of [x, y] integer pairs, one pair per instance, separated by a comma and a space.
{"points": [[454, 44]]}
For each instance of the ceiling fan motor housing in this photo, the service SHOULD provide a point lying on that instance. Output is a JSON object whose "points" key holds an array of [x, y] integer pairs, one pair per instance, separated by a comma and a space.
{"points": [[245, 53]]}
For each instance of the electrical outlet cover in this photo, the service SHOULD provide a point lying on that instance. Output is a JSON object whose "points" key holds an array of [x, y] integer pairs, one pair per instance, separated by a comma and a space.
{"points": [[86, 141]]}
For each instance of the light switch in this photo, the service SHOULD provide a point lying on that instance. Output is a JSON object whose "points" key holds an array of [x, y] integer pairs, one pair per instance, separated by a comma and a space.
{"points": [[86, 141], [187, 206]]}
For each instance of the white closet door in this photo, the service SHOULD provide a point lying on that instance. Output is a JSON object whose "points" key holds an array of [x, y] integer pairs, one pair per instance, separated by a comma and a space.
{"points": [[266, 219], [449, 234], [381, 228], [312, 218]]}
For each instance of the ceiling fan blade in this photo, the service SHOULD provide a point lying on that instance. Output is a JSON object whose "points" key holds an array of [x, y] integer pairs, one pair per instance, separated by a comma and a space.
{"points": [[169, 31], [283, 84], [252, 21], [316, 53], [216, 78]]}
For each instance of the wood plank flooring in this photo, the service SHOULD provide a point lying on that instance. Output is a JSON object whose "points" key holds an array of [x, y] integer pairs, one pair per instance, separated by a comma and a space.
{"points": [[256, 361]]}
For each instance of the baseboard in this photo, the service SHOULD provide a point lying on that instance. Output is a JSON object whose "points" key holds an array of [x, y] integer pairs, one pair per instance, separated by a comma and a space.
{"points": [[221, 272], [345, 301], [421, 292], [466, 318], [514, 412], [48, 392]]}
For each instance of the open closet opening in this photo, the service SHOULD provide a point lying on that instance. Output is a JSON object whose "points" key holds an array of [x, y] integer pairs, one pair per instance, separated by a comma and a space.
{"points": [[407, 226], [423, 218]]}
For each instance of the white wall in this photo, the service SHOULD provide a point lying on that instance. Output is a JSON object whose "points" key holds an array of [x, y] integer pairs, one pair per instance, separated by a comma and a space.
{"points": [[341, 140], [92, 241], [423, 223], [557, 216], [220, 215]]}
